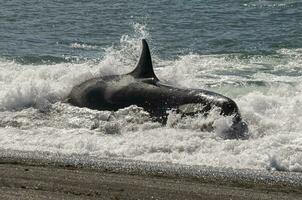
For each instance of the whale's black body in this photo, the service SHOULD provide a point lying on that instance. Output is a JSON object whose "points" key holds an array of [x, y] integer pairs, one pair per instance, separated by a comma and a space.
{"points": [[142, 88]]}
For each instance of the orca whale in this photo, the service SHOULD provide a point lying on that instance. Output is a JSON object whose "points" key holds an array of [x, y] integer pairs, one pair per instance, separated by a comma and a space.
{"points": [[141, 87]]}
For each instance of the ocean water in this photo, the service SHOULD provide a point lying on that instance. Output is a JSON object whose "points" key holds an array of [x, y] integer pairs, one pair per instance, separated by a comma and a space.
{"points": [[249, 50]]}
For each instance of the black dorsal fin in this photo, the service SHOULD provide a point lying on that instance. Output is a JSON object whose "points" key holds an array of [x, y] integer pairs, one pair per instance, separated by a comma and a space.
{"points": [[144, 68]]}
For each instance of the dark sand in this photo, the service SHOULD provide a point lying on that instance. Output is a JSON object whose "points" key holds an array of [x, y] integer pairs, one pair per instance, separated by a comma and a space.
{"points": [[44, 176]]}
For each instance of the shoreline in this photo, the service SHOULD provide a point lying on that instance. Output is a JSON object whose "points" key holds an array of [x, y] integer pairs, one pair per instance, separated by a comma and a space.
{"points": [[46, 176]]}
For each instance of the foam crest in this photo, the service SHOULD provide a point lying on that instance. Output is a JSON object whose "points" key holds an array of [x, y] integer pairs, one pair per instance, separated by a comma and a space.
{"points": [[271, 4], [82, 46], [26, 85]]}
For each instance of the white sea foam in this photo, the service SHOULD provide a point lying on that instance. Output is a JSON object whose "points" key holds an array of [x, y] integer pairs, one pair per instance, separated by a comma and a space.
{"points": [[33, 117], [271, 4], [82, 46]]}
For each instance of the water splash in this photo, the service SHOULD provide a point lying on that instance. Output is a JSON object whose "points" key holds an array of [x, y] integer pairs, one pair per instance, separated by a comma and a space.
{"points": [[267, 89]]}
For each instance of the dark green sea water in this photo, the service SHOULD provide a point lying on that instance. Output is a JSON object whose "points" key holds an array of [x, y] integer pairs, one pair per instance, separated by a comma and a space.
{"points": [[37, 30]]}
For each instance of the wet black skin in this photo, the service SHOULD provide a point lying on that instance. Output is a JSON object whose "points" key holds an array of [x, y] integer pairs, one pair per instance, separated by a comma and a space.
{"points": [[142, 88], [115, 92]]}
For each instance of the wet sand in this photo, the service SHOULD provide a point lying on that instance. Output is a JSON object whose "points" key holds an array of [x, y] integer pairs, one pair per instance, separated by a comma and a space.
{"points": [[44, 176]]}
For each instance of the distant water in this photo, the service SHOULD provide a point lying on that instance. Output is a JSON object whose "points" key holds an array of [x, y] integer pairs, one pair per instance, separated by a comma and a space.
{"points": [[248, 50]]}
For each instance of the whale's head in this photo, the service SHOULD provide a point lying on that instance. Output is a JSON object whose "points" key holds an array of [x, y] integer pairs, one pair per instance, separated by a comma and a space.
{"points": [[239, 128]]}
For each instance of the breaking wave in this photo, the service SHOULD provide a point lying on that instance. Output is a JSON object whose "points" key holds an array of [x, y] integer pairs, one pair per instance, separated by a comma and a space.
{"points": [[267, 89]]}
